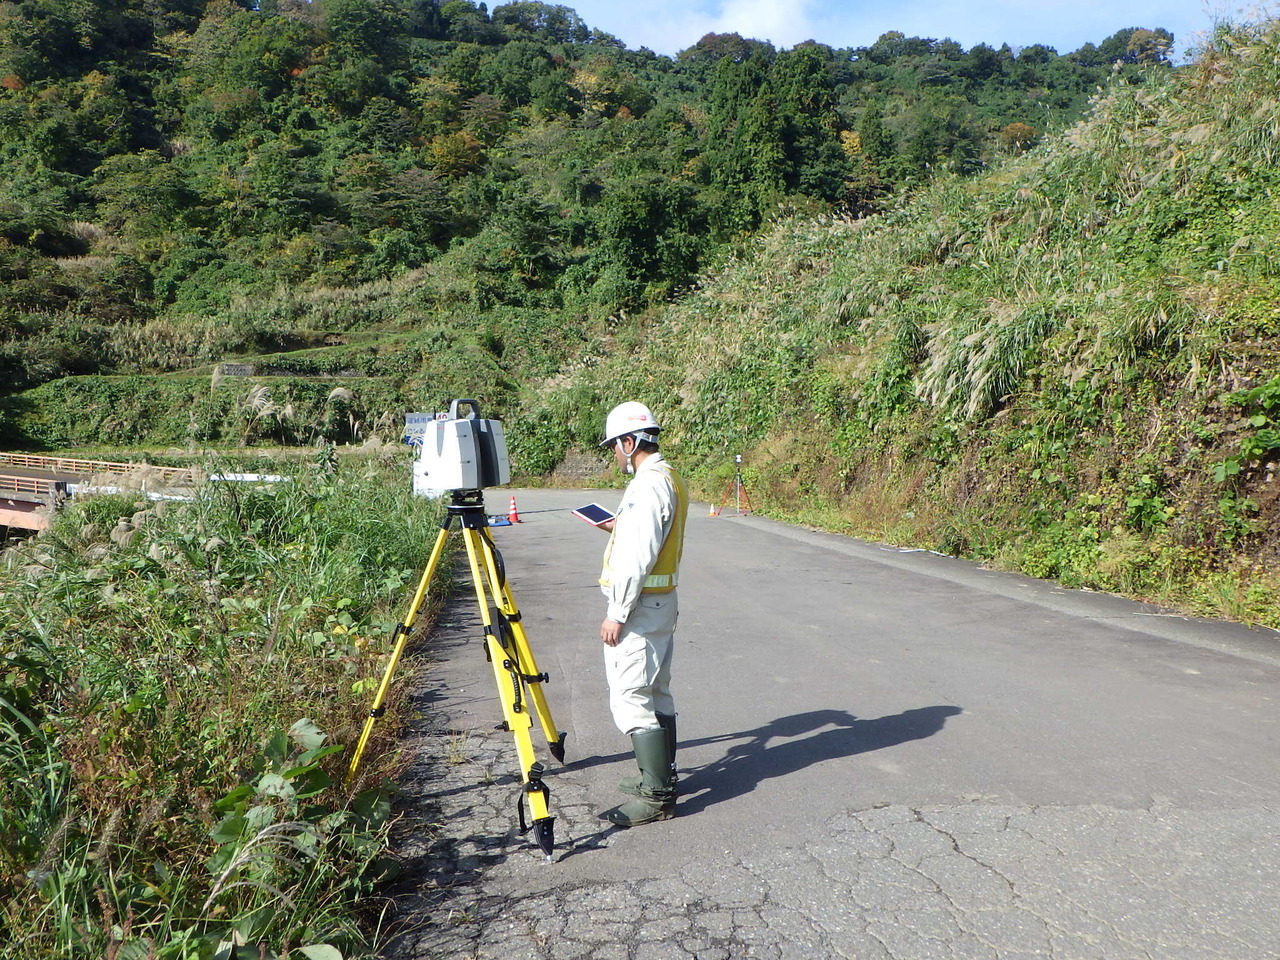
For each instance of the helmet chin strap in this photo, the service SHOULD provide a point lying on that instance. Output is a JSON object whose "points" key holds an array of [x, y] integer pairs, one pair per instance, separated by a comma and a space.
{"points": [[636, 439]]}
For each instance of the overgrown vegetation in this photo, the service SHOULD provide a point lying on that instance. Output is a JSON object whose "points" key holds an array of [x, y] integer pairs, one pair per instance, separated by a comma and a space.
{"points": [[1067, 366], [189, 181], [178, 681]]}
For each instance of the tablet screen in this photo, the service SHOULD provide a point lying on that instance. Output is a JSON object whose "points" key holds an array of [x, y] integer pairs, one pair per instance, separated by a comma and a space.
{"points": [[593, 513]]}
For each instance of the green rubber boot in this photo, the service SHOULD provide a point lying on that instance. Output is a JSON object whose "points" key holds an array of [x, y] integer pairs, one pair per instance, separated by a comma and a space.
{"points": [[631, 785], [657, 798]]}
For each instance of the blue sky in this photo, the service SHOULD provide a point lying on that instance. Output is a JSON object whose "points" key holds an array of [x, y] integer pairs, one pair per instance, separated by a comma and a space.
{"points": [[668, 26]]}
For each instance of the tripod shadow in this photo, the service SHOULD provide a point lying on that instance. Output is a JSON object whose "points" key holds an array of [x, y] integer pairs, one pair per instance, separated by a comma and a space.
{"points": [[747, 764]]}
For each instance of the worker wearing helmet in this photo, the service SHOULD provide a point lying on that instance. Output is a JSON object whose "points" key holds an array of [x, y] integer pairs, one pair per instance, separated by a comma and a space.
{"points": [[641, 568]]}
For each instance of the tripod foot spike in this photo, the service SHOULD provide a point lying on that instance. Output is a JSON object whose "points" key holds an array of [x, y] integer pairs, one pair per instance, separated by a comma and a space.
{"points": [[544, 835], [557, 748]]}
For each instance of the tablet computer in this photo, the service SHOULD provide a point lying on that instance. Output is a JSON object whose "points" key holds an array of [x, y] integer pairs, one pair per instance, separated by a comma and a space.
{"points": [[594, 514]]}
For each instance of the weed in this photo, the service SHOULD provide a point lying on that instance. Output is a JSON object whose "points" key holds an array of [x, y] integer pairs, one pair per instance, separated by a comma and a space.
{"points": [[458, 750]]}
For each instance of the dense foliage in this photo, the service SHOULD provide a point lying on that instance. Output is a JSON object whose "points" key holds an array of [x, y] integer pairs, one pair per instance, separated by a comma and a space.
{"points": [[178, 681], [188, 181], [1067, 366]]}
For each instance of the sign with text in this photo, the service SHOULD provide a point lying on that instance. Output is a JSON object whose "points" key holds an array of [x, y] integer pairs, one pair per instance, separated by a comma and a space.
{"points": [[415, 425]]}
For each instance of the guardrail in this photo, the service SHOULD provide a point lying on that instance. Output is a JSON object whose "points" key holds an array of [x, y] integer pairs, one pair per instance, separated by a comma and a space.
{"points": [[41, 488], [88, 467]]}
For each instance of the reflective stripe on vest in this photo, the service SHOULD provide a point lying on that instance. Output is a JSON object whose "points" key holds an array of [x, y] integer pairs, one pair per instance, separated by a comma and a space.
{"points": [[666, 569]]}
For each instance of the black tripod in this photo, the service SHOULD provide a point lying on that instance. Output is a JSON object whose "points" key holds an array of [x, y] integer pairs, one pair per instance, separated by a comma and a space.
{"points": [[514, 669]]}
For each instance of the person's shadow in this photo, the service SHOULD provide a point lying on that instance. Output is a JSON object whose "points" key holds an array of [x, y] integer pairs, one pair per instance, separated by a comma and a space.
{"points": [[757, 757]]}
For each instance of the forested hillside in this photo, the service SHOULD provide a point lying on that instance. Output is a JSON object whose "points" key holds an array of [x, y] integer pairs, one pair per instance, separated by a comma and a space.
{"points": [[1069, 366], [431, 195], [922, 299]]}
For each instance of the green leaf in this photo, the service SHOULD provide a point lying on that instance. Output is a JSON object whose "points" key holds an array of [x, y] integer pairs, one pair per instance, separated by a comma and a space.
{"points": [[1269, 439], [260, 817], [373, 805], [307, 841], [307, 735], [277, 748], [228, 829], [307, 780], [274, 785], [188, 944], [309, 758], [235, 798], [253, 926], [320, 951]]}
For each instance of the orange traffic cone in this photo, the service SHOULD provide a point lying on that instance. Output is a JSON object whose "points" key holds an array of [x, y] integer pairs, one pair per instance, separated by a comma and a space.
{"points": [[514, 516]]}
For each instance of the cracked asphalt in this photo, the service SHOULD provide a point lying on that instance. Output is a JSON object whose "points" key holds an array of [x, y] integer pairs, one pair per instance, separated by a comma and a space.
{"points": [[885, 755]]}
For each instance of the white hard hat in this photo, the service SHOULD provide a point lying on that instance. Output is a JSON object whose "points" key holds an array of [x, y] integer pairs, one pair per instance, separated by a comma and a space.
{"points": [[628, 418]]}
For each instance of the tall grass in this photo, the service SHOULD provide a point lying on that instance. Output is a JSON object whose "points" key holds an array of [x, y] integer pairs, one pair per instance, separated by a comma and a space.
{"points": [[178, 682]]}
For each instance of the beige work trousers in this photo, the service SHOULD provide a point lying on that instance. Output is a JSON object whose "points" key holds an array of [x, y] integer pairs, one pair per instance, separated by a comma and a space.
{"points": [[639, 667]]}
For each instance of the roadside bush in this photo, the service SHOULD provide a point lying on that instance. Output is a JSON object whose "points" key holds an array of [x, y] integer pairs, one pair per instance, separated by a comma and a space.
{"points": [[179, 684]]}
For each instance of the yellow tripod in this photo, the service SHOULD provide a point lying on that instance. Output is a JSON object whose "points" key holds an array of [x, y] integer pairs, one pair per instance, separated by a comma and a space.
{"points": [[514, 669]]}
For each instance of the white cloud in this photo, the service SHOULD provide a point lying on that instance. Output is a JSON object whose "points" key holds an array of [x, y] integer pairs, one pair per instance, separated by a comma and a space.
{"points": [[785, 22], [668, 26]]}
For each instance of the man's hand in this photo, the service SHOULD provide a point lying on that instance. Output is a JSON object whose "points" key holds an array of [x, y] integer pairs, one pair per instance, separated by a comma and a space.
{"points": [[610, 632]]}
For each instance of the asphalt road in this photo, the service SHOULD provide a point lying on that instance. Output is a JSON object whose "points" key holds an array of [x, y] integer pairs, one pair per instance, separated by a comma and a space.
{"points": [[885, 755]]}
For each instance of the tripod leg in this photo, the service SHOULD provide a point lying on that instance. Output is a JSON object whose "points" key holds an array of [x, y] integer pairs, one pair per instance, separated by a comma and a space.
{"points": [[510, 681], [526, 663], [529, 668], [399, 639]]}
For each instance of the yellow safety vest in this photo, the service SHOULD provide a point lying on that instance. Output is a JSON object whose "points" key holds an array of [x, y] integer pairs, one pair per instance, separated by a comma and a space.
{"points": [[666, 569]]}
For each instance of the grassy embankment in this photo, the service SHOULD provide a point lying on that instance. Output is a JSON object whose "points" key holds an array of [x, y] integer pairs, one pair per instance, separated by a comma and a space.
{"points": [[382, 358], [1068, 367], [181, 685]]}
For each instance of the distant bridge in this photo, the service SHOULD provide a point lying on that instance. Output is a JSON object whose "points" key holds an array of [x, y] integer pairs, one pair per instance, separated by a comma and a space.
{"points": [[32, 487]]}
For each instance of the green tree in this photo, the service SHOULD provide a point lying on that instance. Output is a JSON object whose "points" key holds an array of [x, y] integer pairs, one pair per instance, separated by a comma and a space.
{"points": [[423, 19], [406, 215], [981, 63], [142, 196], [711, 48], [1150, 46], [874, 137], [647, 239], [44, 39], [234, 50], [548, 22], [73, 125], [815, 164], [513, 73], [745, 153], [469, 22], [1137, 45]]}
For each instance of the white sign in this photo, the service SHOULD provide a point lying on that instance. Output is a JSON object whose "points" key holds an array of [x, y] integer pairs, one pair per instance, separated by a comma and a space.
{"points": [[415, 425]]}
